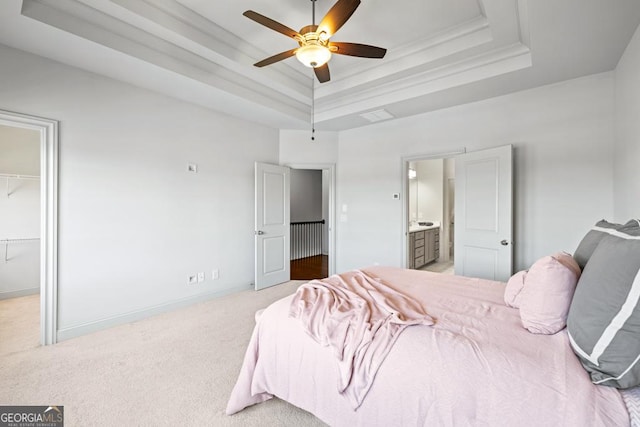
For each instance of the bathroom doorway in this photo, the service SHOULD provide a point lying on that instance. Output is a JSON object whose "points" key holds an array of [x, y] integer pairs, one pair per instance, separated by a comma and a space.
{"points": [[482, 184], [430, 219]]}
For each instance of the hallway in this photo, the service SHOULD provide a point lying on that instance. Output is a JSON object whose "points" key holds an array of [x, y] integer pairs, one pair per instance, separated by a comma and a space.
{"points": [[313, 267]]}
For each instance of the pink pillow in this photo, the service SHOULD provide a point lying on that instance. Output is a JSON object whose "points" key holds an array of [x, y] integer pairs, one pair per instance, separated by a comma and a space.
{"points": [[568, 261], [513, 289], [547, 293]]}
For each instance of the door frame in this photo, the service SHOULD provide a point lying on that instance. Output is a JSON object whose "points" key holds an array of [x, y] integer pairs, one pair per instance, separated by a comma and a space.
{"points": [[331, 169], [404, 195], [49, 146]]}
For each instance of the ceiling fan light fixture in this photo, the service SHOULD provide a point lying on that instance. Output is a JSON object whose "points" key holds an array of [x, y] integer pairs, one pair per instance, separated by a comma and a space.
{"points": [[315, 49], [313, 55]]}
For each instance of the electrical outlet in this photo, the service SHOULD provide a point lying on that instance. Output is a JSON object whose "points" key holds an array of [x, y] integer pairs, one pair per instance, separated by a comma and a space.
{"points": [[192, 280], [201, 277], [192, 167], [215, 274]]}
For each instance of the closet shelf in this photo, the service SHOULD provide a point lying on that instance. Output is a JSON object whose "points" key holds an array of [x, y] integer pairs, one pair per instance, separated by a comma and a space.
{"points": [[7, 241], [9, 177]]}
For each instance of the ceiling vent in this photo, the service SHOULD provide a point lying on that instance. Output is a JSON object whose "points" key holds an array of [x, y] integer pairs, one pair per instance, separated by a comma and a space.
{"points": [[377, 116]]}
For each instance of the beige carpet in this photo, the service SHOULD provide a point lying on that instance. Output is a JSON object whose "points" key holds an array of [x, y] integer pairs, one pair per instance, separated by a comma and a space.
{"points": [[19, 324], [173, 369]]}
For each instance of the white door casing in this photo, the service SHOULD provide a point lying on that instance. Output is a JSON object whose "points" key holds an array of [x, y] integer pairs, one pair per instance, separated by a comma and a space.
{"points": [[48, 130], [272, 222], [483, 214]]}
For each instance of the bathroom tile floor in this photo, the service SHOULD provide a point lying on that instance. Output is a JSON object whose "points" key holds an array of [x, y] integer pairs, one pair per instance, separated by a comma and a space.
{"points": [[444, 267]]}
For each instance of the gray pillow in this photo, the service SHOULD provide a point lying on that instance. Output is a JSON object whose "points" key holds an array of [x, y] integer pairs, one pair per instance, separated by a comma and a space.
{"points": [[591, 239], [604, 318]]}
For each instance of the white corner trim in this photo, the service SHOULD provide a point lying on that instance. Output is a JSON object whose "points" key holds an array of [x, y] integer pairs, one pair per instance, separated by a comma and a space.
{"points": [[522, 11]]}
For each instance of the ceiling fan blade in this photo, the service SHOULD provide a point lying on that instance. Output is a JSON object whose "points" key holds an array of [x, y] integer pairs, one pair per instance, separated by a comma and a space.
{"points": [[322, 73], [337, 16], [275, 58], [270, 23], [356, 49]]}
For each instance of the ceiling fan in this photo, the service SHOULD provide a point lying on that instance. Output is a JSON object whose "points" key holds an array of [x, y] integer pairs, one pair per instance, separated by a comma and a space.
{"points": [[315, 48]]}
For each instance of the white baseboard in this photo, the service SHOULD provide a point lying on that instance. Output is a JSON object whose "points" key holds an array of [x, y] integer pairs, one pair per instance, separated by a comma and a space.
{"points": [[20, 293], [98, 325]]}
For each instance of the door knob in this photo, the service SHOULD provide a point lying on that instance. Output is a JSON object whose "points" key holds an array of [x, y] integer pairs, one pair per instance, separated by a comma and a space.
{"points": [[259, 233], [504, 243]]}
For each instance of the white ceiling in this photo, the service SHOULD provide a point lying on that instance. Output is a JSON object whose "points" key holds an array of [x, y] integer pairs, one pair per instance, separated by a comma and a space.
{"points": [[440, 52]]}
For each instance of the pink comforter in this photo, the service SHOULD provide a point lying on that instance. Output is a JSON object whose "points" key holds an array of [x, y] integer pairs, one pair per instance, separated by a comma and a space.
{"points": [[476, 366], [359, 318]]}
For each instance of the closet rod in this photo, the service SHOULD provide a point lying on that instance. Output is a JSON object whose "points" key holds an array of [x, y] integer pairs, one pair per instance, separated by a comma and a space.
{"points": [[14, 176]]}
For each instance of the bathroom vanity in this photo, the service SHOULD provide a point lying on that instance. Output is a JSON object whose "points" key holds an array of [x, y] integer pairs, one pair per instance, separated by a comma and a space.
{"points": [[424, 244]]}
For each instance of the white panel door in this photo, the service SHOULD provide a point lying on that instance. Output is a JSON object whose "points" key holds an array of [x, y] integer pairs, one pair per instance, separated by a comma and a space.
{"points": [[483, 214], [272, 264]]}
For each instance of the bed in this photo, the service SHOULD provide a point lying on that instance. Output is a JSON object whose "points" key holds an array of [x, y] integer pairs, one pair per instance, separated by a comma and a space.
{"points": [[475, 365]]}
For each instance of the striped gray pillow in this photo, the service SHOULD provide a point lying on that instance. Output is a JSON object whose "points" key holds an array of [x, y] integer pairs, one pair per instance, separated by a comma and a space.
{"points": [[604, 318], [590, 241]]}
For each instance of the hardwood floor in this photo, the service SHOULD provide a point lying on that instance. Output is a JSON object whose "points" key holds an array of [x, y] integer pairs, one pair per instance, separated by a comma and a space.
{"points": [[313, 267]]}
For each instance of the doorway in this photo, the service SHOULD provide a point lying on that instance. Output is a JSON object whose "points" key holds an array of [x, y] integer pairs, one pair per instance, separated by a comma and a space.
{"points": [[19, 238], [483, 221], [272, 201], [18, 249], [311, 221], [430, 214]]}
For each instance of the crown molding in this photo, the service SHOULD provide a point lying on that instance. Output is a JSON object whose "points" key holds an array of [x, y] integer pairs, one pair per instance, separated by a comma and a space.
{"points": [[486, 65], [92, 24], [169, 35]]}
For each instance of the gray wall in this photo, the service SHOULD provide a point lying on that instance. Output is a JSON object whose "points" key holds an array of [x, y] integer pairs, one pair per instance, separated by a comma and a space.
{"points": [[133, 222], [563, 167], [563, 135], [306, 195], [426, 192]]}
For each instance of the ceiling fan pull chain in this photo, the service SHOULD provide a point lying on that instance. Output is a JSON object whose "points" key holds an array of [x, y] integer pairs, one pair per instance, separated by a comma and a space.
{"points": [[313, 107]]}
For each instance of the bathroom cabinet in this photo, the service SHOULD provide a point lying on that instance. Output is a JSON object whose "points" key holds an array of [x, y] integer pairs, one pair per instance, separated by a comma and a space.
{"points": [[424, 247]]}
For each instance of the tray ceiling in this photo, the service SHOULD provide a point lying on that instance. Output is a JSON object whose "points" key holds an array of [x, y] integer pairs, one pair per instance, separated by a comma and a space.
{"points": [[440, 52]]}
